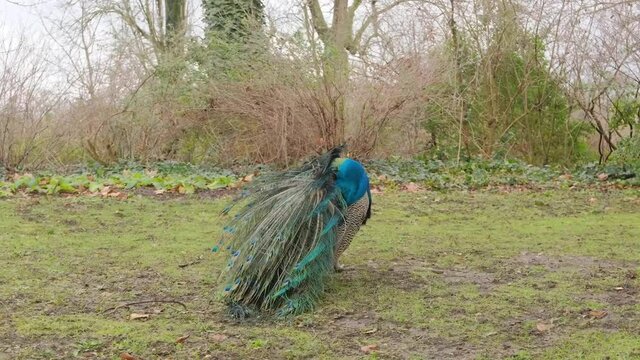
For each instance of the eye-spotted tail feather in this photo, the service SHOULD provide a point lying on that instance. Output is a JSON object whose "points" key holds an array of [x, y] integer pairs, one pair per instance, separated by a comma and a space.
{"points": [[281, 241]]}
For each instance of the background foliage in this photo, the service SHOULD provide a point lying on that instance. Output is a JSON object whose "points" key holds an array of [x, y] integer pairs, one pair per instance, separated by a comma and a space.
{"points": [[493, 80]]}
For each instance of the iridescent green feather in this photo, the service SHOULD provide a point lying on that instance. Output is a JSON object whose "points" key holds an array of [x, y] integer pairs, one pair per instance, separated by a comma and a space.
{"points": [[281, 240]]}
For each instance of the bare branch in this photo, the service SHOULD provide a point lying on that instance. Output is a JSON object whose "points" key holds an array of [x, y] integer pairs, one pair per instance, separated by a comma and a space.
{"points": [[319, 22], [368, 21]]}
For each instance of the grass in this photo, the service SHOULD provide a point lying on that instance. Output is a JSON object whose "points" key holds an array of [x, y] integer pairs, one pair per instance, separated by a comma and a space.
{"points": [[434, 275]]}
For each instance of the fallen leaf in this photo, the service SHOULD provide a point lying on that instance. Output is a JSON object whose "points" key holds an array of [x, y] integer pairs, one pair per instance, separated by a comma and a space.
{"points": [[367, 349], [619, 288], [603, 176], [544, 327], [598, 314], [105, 191], [182, 339], [248, 178], [127, 356], [219, 337], [135, 316], [371, 331], [160, 191], [412, 187]]}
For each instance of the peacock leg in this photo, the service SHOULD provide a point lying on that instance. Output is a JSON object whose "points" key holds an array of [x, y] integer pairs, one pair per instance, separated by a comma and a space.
{"points": [[339, 248]]}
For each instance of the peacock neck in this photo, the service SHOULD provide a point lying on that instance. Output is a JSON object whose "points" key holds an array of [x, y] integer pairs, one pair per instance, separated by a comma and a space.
{"points": [[351, 178]]}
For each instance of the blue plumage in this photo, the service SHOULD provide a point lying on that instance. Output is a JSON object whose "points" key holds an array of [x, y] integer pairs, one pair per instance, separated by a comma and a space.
{"points": [[352, 179], [287, 233]]}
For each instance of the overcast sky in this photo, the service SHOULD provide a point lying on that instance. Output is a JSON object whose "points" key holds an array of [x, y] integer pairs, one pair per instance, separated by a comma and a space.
{"points": [[25, 14]]}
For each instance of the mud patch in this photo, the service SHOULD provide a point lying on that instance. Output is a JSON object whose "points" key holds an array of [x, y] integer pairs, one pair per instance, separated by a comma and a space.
{"points": [[622, 296], [555, 263], [483, 280], [397, 277]]}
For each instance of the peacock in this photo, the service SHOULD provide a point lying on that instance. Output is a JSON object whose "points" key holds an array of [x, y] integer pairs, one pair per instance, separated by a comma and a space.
{"points": [[290, 230]]}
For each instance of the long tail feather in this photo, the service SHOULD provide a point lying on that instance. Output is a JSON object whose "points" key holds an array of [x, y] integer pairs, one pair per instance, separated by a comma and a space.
{"points": [[281, 241]]}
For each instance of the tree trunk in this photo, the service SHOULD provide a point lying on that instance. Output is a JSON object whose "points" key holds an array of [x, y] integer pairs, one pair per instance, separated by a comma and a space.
{"points": [[175, 19], [339, 39], [335, 66]]}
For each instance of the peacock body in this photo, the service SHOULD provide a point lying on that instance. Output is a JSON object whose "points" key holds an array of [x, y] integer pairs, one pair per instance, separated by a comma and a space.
{"points": [[289, 231]]}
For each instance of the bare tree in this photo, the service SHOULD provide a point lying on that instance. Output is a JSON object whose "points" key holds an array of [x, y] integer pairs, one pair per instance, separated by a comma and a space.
{"points": [[341, 36], [26, 102]]}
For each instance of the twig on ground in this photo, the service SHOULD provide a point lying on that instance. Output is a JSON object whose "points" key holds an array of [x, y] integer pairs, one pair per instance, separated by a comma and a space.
{"points": [[199, 260]]}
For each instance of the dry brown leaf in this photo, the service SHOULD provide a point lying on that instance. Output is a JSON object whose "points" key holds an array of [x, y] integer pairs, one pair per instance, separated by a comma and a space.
{"points": [[248, 178], [598, 314], [127, 356], [603, 176], [219, 337], [544, 327], [367, 349], [182, 339], [181, 189], [371, 331], [412, 187], [135, 316], [105, 191]]}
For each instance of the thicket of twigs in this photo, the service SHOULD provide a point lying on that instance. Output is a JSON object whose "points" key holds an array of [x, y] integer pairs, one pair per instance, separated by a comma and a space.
{"points": [[544, 81]]}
